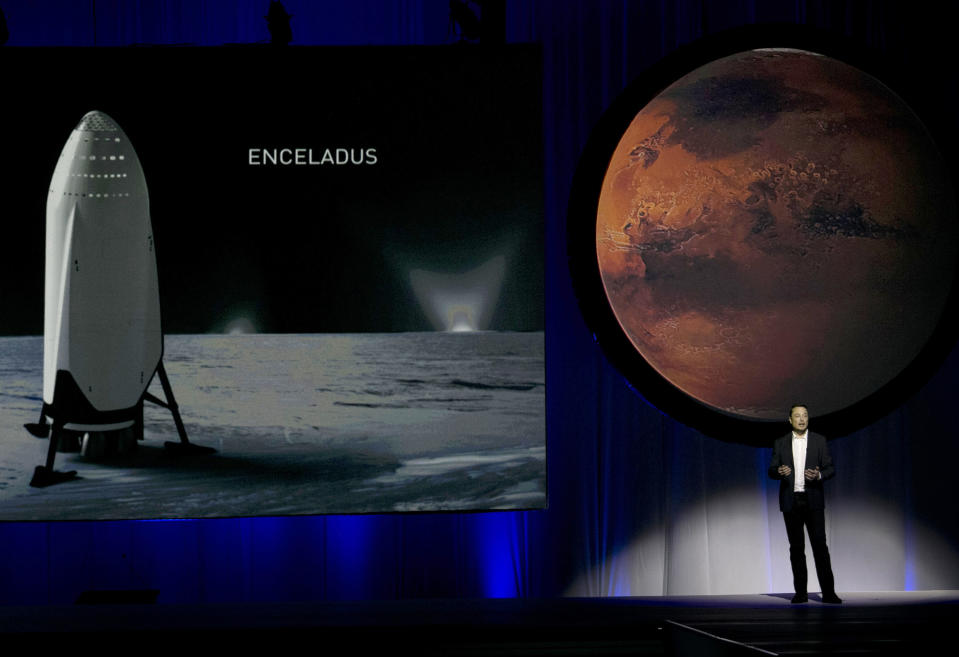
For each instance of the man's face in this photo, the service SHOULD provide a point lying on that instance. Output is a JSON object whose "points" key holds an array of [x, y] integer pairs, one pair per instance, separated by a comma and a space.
{"points": [[799, 419]]}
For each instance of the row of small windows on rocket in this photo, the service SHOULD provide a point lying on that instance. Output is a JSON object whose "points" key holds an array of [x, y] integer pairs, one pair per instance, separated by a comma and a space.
{"points": [[93, 195], [92, 158]]}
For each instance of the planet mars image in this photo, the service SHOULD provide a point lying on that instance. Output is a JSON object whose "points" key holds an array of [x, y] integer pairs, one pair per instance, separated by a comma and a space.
{"points": [[776, 227]]}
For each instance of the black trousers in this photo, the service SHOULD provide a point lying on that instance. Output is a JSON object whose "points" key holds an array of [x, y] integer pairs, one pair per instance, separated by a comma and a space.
{"points": [[814, 520]]}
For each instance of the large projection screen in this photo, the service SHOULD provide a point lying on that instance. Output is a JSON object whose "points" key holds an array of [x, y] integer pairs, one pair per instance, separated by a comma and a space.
{"points": [[350, 257], [766, 218]]}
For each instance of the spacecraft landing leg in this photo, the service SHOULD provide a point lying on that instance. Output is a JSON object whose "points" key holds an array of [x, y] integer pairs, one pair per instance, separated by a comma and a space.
{"points": [[39, 429], [45, 475], [184, 446]]}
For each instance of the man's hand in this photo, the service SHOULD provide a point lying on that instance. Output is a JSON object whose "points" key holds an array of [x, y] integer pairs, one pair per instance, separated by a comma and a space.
{"points": [[812, 474], [784, 470]]}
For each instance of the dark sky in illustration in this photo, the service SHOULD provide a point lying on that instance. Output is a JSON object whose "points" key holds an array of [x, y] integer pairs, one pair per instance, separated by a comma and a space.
{"points": [[457, 179]]}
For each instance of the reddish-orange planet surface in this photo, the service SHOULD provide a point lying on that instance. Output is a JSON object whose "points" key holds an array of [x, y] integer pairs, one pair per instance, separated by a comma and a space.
{"points": [[774, 227]]}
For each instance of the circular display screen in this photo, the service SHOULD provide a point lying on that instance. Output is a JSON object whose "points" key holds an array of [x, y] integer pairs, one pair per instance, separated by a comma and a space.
{"points": [[774, 227]]}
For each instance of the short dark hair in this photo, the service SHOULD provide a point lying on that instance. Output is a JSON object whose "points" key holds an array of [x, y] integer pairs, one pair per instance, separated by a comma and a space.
{"points": [[795, 406]]}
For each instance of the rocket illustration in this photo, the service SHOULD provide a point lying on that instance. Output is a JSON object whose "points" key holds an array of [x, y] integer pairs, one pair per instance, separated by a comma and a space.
{"points": [[102, 336]]}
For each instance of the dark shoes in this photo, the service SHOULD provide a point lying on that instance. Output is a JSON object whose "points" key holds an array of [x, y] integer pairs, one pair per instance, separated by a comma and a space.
{"points": [[827, 598]]}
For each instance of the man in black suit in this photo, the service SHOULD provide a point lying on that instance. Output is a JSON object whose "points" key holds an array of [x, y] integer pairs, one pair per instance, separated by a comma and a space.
{"points": [[801, 500]]}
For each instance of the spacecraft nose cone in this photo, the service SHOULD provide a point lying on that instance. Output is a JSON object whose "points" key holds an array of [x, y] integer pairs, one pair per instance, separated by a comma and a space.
{"points": [[97, 121]]}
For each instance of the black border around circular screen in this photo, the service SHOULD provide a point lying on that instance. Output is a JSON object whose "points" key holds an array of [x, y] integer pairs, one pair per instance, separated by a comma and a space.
{"points": [[581, 234]]}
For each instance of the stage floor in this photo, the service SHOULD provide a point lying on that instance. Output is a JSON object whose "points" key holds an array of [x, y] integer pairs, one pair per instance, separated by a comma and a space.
{"points": [[875, 623]]}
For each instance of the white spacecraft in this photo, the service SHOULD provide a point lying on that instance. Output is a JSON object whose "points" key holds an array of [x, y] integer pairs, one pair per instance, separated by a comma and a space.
{"points": [[102, 337]]}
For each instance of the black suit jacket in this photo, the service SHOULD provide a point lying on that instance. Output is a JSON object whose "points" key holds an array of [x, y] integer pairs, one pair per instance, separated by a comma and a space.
{"points": [[817, 454]]}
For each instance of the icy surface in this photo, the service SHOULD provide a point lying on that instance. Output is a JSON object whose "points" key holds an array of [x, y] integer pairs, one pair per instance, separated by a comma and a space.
{"points": [[303, 424]]}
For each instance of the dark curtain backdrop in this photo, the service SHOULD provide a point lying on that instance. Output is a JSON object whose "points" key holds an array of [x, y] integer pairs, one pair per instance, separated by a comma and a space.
{"points": [[638, 503]]}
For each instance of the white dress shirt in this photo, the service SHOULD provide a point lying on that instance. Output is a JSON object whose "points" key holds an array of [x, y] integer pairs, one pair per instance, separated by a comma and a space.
{"points": [[799, 461]]}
